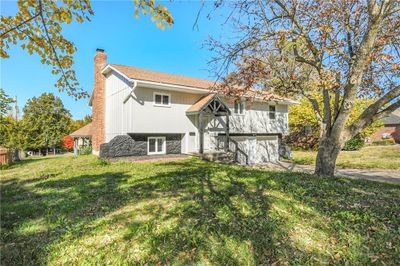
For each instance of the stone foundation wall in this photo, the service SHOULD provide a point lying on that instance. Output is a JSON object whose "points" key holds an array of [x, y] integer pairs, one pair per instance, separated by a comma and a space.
{"points": [[173, 144], [136, 145]]}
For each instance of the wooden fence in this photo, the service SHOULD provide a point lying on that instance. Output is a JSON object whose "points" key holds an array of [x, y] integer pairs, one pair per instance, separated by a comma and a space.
{"points": [[6, 156]]}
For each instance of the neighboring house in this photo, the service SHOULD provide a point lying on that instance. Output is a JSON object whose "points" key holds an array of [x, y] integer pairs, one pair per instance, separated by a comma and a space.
{"points": [[391, 128], [140, 112], [82, 137]]}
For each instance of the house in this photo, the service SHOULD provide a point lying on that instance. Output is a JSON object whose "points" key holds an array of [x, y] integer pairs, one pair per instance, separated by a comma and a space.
{"points": [[82, 137], [391, 128], [139, 112]]}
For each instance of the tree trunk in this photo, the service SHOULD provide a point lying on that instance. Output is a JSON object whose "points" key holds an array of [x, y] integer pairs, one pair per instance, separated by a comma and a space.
{"points": [[328, 151]]}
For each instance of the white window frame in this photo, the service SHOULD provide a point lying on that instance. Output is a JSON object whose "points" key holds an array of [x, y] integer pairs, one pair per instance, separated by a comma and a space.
{"points": [[244, 107], [164, 145], [269, 112], [162, 94]]}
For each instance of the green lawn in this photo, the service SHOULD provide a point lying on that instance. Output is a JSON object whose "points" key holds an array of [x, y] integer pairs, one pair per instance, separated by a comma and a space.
{"points": [[378, 157], [82, 211]]}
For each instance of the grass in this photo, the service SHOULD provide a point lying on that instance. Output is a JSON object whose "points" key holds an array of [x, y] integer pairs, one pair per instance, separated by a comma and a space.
{"points": [[83, 211], [370, 157]]}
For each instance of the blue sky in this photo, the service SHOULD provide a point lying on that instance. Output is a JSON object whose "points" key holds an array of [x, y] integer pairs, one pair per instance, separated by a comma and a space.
{"points": [[125, 39]]}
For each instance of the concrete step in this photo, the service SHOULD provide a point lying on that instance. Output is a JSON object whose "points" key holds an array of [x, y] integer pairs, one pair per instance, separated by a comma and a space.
{"points": [[218, 156]]}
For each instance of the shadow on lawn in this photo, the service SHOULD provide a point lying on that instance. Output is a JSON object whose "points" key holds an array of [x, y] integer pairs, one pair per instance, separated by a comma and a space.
{"points": [[65, 204], [211, 212]]}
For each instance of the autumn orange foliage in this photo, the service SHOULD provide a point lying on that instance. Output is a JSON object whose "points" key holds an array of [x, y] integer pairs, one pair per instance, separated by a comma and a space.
{"points": [[68, 143]]}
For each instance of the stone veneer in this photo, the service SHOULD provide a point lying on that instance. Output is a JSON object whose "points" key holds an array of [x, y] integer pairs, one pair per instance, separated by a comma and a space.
{"points": [[136, 145]]}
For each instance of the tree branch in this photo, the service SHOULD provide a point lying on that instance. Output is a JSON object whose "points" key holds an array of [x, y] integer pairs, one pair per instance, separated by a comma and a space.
{"points": [[374, 111], [19, 25], [52, 46], [327, 110]]}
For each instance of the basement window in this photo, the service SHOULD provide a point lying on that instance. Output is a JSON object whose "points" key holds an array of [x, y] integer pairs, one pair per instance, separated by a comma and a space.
{"points": [[162, 99], [156, 145]]}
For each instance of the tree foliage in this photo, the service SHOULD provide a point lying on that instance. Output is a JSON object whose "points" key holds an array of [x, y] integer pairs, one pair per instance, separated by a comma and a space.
{"points": [[45, 122], [8, 125], [302, 114], [5, 103], [340, 50], [11, 134], [77, 124], [68, 142], [38, 28]]}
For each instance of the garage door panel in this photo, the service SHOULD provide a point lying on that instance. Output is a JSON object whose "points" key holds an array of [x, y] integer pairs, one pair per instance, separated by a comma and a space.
{"points": [[258, 149], [267, 149]]}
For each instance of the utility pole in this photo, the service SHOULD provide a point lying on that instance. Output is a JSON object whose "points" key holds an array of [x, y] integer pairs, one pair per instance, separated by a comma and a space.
{"points": [[16, 116], [16, 109]]}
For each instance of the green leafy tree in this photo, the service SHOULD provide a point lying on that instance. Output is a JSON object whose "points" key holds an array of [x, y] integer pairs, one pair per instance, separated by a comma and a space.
{"points": [[302, 114], [11, 133], [5, 103], [38, 28], [77, 124], [45, 122], [8, 125]]}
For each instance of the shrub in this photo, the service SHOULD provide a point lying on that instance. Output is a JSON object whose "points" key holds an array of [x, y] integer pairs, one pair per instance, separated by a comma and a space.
{"points": [[384, 142], [68, 143], [86, 150], [298, 140], [354, 144]]}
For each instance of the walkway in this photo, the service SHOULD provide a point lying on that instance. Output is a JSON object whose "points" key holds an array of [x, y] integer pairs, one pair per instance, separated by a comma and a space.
{"points": [[382, 175]]}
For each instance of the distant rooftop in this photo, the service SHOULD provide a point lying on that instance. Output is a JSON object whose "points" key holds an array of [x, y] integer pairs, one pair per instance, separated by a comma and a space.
{"points": [[393, 118], [85, 131]]}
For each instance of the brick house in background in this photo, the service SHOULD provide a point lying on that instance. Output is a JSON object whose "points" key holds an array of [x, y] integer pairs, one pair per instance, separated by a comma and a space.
{"points": [[391, 128]]}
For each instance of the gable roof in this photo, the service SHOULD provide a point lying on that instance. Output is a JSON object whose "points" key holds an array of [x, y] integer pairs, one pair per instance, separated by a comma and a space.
{"points": [[165, 78], [162, 78], [211, 102], [85, 131], [393, 118], [197, 106]]}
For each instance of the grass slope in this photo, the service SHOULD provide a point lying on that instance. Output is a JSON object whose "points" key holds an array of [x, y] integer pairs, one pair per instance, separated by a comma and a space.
{"points": [[371, 157], [82, 211]]}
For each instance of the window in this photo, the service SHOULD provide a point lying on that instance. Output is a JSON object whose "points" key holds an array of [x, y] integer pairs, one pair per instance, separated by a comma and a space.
{"points": [[238, 107], [272, 112], [156, 145], [162, 99]]}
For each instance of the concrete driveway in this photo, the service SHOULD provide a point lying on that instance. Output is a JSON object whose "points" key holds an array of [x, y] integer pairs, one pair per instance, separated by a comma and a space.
{"points": [[392, 176]]}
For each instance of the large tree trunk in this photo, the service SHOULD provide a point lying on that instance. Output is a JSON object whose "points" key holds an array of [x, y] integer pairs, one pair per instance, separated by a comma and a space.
{"points": [[328, 151]]}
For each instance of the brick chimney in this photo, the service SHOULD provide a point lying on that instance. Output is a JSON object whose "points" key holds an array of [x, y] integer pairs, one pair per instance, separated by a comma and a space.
{"points": [[98, 101]]}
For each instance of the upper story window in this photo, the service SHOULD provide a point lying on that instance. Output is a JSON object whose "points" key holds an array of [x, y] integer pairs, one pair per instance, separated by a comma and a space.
{"points": [[272, 112], [162, 99], [238, 107]]}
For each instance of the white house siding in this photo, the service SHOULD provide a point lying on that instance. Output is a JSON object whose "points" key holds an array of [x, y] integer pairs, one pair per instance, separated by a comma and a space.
{"points": [[119, 115], [256, 119], [134, 112]]}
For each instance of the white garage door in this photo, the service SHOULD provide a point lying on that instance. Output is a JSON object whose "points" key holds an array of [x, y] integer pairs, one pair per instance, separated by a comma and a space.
{"points": [[267, 149], [258, 149], [243, 146]]}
